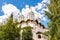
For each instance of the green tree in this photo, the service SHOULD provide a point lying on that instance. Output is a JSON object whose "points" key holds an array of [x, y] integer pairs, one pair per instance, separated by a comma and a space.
{"points": [[27, 33], [1, 35], [9, 31], [54, 16]]}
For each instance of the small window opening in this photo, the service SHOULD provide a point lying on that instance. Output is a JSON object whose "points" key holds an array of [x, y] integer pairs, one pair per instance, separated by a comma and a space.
{"points": [[39, 36]]}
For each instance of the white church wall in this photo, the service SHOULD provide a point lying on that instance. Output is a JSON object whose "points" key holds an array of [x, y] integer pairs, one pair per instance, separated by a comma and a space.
{"points": [[23, 25], [31, 24], [35, 26]]}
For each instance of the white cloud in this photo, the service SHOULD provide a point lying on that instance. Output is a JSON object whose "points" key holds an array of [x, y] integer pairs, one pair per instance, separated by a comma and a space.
{"points": [[27, 6], [3, 18], [44, 19], [46, 1], [46, 9], [26, 10], [39, 6], [8, 9]]}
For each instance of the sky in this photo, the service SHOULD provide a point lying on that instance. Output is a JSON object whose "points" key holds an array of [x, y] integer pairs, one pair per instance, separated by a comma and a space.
{"points": [[23, 6]]}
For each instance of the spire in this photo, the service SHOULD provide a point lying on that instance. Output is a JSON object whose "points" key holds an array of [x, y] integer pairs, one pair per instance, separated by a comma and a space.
{"points": [[31, 9], [31, 14]]}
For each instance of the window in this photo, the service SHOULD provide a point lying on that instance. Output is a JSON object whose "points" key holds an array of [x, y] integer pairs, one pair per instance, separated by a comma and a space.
{"points": [[39, 36]]}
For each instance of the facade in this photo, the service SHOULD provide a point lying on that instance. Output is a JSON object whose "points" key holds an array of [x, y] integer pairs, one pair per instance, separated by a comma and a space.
{"points": [[37, 27]]}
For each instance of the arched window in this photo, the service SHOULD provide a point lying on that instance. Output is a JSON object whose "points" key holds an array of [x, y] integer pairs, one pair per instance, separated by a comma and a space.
{"points": [[39, 36]]}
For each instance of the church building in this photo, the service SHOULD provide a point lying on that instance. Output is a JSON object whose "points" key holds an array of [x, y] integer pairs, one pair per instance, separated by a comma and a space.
{"points": [[37, 28]]}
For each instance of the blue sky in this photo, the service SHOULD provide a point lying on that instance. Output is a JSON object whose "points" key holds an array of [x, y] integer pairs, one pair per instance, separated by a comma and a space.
{"points": [[20, 4]]}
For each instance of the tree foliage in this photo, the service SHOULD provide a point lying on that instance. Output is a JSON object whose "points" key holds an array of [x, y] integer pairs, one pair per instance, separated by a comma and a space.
{"points": [[9, 31], [54, 16], [27, 33]]}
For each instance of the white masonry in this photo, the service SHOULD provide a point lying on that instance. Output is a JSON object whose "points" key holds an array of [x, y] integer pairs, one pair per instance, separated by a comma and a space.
{"points": [[37, 27]]}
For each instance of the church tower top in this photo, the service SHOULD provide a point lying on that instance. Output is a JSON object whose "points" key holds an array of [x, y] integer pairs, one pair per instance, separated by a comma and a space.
{"points": [[30, 9]]}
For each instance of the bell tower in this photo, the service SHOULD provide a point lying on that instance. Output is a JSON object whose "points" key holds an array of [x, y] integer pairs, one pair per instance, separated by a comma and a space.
{"points": [[21, 17], [31, 15]]}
